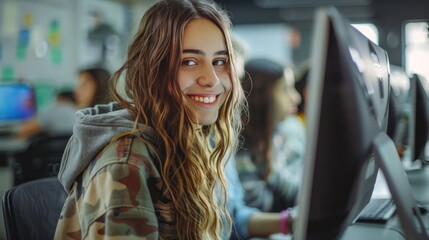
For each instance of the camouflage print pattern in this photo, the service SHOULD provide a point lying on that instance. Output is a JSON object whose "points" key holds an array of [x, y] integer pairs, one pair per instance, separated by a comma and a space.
{"points": [[120, 195]]}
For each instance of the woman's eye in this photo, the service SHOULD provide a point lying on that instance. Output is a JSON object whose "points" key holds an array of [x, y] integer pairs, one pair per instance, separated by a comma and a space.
{"points": [[189, 62], [219, 62]]}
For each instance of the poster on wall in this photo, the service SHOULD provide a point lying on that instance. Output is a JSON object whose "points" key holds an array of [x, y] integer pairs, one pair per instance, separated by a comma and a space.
{"points": [[23, 36], [105, 34], [37, 42]]}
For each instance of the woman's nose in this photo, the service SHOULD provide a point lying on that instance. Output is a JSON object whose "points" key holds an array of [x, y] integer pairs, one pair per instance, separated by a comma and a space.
{"points": [[208, 77]]}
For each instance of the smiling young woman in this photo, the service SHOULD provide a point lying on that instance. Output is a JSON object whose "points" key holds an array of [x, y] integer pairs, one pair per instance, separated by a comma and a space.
{"points": [[156, 163]]}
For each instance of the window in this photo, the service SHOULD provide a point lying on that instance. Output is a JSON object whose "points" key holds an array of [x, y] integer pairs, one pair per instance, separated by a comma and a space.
{"points": [[417, 48], [369, 30]]}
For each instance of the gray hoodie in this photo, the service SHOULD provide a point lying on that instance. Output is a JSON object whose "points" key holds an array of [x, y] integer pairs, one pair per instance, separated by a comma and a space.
{"points": [[93, 130]]}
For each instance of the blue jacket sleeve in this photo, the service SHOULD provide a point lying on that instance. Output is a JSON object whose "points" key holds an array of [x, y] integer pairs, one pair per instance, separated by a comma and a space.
{"points": [[240, 213]]}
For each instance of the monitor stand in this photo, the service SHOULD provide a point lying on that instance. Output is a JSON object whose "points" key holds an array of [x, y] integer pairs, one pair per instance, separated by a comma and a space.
{"points": [[409, 212]]}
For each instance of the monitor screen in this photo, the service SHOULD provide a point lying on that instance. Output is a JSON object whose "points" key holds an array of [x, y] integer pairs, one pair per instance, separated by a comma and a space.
{"points": [[16, 102], [421, 119], [402, 116], [348, 91], [399, 106]]}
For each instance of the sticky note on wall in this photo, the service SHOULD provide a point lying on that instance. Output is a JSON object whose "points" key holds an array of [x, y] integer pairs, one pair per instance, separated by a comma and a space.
{"points": [[7, 74]]}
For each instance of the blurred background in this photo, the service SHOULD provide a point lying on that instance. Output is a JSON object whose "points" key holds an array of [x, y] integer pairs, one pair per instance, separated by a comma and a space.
{"points": [[44, 41], [400, 27]]}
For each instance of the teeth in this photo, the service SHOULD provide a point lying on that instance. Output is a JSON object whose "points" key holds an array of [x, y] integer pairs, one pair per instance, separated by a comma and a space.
{"points": [[204, 99]]}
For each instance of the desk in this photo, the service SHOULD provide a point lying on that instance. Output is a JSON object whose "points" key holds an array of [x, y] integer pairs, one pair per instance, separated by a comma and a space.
{"points": [[8, 148], [390, 231], [419, 181], [371, 232], [13, 145]]}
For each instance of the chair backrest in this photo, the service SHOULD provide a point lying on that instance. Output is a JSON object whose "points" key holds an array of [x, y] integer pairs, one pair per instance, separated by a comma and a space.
{"points": [[31, 210], [42, 158]]}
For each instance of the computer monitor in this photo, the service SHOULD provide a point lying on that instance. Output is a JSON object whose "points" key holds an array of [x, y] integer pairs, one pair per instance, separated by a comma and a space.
{"points": [[400, 83], [399, 106], [17, 102], [420, 124], [348, 92], [402, 117]]}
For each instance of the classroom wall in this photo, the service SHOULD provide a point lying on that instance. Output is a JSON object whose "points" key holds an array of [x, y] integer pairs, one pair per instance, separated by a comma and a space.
{"points": [[46, 42], [266, 40], [37, 44], [37, 41]]}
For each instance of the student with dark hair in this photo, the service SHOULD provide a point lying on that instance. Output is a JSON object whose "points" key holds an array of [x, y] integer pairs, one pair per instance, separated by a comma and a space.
{"points": [[92, 87], [295, 124], [241, 49], [158, 162], [266, 165]]}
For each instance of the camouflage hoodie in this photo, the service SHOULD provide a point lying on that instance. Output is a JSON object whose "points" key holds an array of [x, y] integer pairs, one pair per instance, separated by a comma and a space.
{"points": [[115, 189]]}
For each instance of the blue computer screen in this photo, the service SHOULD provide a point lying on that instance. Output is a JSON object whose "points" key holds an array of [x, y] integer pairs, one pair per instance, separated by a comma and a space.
{"points": [[16, 101]]}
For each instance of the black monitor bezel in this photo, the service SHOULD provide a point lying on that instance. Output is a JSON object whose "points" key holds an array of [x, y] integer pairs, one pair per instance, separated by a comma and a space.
{"points": [[358, 173], [421, 119]]}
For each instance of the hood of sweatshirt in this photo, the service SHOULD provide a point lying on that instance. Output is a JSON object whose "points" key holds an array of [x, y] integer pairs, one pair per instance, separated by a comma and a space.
{"points": [[93, 130]]}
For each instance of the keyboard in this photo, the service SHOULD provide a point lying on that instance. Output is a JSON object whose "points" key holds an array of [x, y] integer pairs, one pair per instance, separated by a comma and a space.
{"points": [[378, 210], [9, 128]]}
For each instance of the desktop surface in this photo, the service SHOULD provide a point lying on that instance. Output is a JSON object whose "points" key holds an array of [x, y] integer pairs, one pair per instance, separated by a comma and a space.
{"points": [[391, 230], [374, 231], [419, 180], [371, 232], [13, 145]]}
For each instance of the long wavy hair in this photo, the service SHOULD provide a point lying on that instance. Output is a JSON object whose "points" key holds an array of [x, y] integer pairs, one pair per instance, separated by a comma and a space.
{"points": [[261, 76], [191, 157]]}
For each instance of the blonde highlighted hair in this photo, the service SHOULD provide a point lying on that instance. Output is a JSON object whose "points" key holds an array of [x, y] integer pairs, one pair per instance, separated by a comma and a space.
{"points": [[191, 159]]}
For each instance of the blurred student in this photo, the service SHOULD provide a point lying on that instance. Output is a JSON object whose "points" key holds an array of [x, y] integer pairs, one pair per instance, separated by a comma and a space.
{"points": [[295, 124], [265, 164], [241, 50], [156, 164], [92, 87], [59, 117]]}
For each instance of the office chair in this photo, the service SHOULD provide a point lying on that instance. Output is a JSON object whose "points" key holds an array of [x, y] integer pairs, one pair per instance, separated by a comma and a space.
{"points": [[31, 210], [42, 158]]}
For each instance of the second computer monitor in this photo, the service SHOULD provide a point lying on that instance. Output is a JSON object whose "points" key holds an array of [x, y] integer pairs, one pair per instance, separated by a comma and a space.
{"points": [[17, 102], [420, 123], [348, 89]]}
